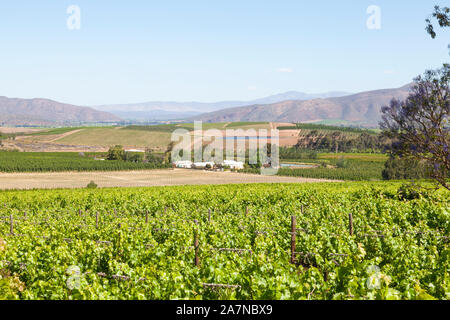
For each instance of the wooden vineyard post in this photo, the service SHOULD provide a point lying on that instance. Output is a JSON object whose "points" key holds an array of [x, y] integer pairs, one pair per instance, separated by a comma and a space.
{"points": [[79, 212], [209, 215], [293, 237], [246, 211], [302, 209], [25, 215], [115, 213], [11, 225], [196, 244], [165, 210], [96, 220], [146, 216], [350, 223]]}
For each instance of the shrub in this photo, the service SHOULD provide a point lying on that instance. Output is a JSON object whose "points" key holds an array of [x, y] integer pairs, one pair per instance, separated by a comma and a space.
{"points": [[408, 192], [342, 163], [397, 168], [116, 153], [92, 185]]}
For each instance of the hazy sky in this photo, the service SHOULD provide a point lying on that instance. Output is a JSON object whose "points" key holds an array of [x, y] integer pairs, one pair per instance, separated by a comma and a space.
{"points": [[135, 51]]}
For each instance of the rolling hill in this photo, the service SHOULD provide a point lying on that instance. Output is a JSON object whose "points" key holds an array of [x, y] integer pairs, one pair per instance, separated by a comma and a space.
{"points": [[43, 112], [361, 108], [170, 110]]}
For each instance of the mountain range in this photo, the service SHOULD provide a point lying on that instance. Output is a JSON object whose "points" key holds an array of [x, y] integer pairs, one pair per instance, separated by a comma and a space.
{"points": [[361, 108], [170, 110], [44, 112]]}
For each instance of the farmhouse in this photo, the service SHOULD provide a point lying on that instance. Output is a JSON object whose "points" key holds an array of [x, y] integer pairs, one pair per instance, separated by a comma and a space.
{"points": [[183, 164], [204, 164], [234, 164], [186, 164]]}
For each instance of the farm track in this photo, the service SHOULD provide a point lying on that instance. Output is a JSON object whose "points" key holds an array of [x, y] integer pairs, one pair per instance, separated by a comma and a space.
{"points": [[145, 178]]}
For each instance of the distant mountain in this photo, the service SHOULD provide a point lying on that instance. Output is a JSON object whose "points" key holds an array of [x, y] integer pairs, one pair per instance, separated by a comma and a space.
{"points": [[170, 110], [40, 112], [363, 108], [155, 115]]}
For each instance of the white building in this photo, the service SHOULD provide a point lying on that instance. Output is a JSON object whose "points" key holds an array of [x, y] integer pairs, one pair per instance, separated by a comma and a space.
{"points": [[183, 164], [234, 164], [203, 164], [186, 164]]}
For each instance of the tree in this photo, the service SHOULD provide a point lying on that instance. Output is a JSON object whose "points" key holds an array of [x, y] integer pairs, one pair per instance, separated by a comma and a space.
{"points": [[116, 153], [168, 153], [92, 185], [134, 157], [403, 168], [419, 126], [150, 157], [442, 15]]}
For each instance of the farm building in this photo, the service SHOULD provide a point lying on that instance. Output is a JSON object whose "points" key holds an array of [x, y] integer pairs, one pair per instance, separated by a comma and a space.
{"points": [[186, 164], [204, 164], [183, 164], [234, 164]]}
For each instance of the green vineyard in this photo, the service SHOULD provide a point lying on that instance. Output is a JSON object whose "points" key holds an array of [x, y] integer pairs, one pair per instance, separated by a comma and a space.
{"points": [[64, 161], [275, 241]]}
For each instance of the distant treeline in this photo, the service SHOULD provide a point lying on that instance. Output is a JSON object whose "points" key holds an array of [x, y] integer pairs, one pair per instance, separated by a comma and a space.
{"points": [[336, 141], [313, 126], [159, 128]]}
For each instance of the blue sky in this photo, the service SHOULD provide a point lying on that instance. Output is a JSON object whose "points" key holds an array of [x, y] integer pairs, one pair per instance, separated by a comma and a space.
{"points": [[135, 51]]}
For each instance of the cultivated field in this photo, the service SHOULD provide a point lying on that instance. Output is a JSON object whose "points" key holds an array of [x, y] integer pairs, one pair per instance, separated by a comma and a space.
{"points": [[253, 242], [136, 179], [99, 139]]}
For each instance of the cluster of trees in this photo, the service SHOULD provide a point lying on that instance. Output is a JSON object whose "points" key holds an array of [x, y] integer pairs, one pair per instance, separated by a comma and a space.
{"points": [[297, 153], [420, 125], [316, 126], [339, 141], [118, 153], [405, 168]]}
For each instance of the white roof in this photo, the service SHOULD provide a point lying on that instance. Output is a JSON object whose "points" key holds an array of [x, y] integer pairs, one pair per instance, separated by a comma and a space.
{"points": [[203, 163], [232, 162]]}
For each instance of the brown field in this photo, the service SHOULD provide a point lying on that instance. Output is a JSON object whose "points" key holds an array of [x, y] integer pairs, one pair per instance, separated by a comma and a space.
{"points": [[93, 139], [145, 178], [18, 130]]}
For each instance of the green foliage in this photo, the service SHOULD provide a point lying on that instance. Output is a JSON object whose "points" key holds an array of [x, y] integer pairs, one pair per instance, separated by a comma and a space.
{"points": [[338, 141], [356, 168], [296, 153], [116, 153], [397, 168], [64, 161], [412, 191], [160, 127], [60, 254], [134, 157], [315, 126], [92, 185], [342, 163]]}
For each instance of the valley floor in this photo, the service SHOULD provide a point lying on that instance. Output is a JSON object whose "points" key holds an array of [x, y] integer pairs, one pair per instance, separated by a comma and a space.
{"points": [[167, 177]]}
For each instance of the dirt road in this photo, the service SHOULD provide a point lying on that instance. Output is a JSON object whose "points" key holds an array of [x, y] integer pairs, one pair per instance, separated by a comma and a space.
{"points": [[136, 179]]}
